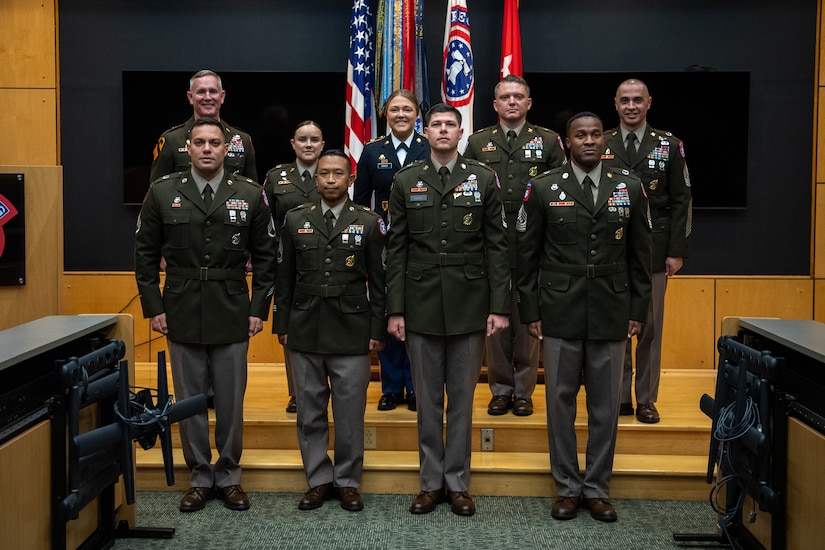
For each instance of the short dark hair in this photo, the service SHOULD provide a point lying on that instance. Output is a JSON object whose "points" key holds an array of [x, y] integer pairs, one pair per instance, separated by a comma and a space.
{"points": [[209, 122], [582, 114], [441, 108], [511, 78], [337, 153]]}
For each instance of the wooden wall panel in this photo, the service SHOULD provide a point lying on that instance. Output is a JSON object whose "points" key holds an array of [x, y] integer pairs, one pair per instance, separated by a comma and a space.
{"points": [[787, 298], [116, 292], [819, 231], [28, 31], [40, 296], [688, 341], [819, 300], [29, 121]]}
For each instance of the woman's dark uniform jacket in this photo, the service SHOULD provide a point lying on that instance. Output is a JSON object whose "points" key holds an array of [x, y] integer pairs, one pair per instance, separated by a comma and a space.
{"points": [[205, 295]]}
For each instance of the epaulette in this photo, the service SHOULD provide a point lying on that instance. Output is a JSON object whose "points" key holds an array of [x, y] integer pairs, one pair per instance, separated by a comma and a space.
{"points": [[483, 130], [375, 140], [239, 177], [474, 162], [173, 128], [663, 133], [545, 129], [406, 167], [170, 176]]}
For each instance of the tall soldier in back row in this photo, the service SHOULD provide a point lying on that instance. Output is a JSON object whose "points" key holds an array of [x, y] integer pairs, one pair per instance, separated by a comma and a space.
{"points": [[206, 95], [518, 151], [658, 159]]}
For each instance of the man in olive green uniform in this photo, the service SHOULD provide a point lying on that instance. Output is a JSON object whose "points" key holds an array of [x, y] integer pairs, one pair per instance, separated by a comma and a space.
{"points": [[658, 159], [518, 151], [447, 287], [330, 313], [207, 224], [206, 95], [584, 279]]}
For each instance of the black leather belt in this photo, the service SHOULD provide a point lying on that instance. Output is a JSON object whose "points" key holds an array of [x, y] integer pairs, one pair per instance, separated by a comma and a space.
{"points": [[206, 273], [589, 270], [331, 291], [444, 258]]}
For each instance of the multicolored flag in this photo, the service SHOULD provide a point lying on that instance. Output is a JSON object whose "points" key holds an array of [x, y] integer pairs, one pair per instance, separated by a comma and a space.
{"points": [[359, 120], [511, 41], [458, 77], [400, 54]]}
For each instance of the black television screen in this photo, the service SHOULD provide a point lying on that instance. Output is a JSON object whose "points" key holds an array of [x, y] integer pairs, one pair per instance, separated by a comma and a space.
{"points": [[267, 105], [707, 110]]}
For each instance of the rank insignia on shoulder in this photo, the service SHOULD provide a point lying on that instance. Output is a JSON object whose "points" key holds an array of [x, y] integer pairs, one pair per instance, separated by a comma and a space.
{"points": [[625, 172]]}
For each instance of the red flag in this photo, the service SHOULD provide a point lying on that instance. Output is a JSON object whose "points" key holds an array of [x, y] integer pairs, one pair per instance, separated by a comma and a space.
{"points": [[511, 41]]}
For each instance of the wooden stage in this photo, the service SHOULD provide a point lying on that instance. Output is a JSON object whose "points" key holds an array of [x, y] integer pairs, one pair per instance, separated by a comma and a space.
{"points": [[667, 460]]}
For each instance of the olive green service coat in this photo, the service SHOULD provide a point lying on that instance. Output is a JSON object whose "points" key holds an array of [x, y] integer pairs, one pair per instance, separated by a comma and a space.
{"points": [[535, 150], [660, 164], [285, 189], [447, 268], [170, 153], [584, 273], [205, 297], [321, 297]]}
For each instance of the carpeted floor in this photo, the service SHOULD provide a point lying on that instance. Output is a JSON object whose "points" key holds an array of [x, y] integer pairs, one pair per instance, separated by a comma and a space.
{"points": [[274, 521]]}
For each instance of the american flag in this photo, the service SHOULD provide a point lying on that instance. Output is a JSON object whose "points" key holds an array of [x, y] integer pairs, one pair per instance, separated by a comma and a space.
{"points": [[458, 77], [360, 122]]}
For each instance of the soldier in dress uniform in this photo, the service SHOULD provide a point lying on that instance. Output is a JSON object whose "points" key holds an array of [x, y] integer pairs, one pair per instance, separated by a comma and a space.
{"points": [[518, 151], [330, 303], [207, 223], [584, 279], [379, 162], [447, 288], [658, 159], [206, 95], [287, 186]]}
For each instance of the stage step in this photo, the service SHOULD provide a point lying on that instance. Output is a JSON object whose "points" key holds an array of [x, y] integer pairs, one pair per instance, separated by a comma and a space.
{"points": [[667, 460]]}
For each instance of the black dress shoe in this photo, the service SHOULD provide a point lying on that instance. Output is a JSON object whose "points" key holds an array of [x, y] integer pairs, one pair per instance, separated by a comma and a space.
{"points": [[601, 509], [565, 507], [626, 409], [315, 497], [195, 499], [389, 401], [426, 501], [292, 405], [522, 406], [411, 402], [350, 499], [210, 402], [499, 405], [461, 503], [234, 498], [647, 413]]}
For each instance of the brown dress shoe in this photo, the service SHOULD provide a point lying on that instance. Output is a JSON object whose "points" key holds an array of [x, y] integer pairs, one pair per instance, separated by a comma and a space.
{"points": [[234, 498], [565, 507], [195, 499], [601, 509], [461, 503], [350, 499], [522, 406], [426, 501], [499, 405], [315, 497], [647, 413], [292, 405], [626, 409]]}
